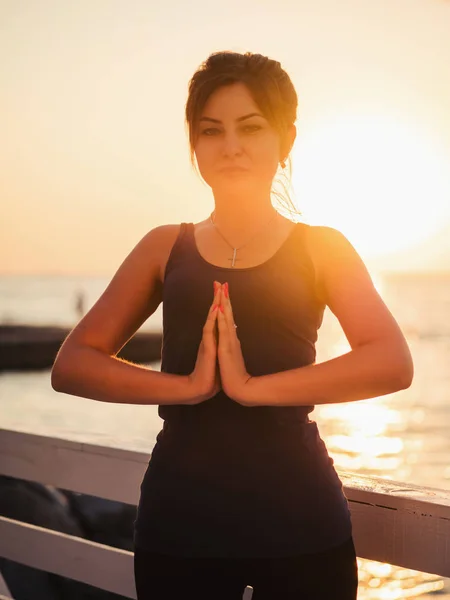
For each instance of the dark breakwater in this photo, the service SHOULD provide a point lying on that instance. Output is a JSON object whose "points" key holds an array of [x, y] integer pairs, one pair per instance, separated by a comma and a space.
{"points": [[28, 347]]}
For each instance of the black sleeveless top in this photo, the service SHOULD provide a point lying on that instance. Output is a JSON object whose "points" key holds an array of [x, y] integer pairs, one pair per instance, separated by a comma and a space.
{"points": [[235, 481]]}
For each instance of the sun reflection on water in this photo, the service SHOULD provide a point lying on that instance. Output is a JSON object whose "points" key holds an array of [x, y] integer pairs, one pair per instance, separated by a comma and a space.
{"points": [[380, 581], [368, 437], [364, 443]]}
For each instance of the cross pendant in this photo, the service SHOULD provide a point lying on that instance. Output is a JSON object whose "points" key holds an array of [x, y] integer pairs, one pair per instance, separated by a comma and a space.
{"points": [[234, 259]]}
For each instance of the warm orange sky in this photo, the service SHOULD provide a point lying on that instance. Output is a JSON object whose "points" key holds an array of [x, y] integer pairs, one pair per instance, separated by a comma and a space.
{"points": [[94, 150]]}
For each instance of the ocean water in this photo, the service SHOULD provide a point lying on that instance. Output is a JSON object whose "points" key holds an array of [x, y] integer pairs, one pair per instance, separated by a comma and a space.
{"points": [[402, 436]]}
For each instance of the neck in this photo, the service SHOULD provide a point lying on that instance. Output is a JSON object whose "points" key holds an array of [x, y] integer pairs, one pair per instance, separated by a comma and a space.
{"points": [[234, 237], [238, 219]]}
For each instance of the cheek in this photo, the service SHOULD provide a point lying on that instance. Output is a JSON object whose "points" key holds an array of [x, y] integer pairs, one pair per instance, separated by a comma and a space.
{"points": [[206, 159], [205, 154], [266, 158], [266, 150], [203, 158]]}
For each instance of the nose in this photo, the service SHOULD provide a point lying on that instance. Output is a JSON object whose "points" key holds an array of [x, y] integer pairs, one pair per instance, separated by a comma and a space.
{"points": [[232, 145]]}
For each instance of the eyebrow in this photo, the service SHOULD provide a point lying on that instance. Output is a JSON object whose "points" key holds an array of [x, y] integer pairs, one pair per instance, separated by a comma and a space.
{"points": [[254, 114]]}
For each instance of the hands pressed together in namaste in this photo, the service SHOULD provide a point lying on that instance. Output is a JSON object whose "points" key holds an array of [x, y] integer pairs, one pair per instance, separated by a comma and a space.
{"points": [[220, 364]]}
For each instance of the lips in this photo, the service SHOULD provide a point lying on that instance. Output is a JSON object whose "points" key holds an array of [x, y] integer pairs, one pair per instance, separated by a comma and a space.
{"points": [[232, 169]]}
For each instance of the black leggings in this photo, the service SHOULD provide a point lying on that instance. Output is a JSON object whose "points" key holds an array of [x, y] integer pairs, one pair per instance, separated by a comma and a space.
{"points": [[329, 575]]}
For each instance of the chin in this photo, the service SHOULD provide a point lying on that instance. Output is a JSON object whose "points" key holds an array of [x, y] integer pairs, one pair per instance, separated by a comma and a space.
{"points": [[236, 186]]}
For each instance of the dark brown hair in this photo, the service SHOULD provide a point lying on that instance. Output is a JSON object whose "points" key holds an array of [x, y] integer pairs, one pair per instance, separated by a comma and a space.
{"points": [[272, 91]]}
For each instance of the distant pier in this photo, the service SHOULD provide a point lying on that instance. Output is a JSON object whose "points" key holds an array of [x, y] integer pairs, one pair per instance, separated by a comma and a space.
{"points": [[27, 347]]}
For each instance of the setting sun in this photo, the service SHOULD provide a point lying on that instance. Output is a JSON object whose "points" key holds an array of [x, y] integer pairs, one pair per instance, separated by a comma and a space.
{"points": [[380, 181]]}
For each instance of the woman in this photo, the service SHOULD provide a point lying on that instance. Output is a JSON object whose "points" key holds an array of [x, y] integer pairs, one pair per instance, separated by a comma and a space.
{"points": [[240, 490]]}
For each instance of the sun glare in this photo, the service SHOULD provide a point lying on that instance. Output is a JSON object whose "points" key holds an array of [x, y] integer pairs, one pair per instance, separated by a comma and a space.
{"points": [[379, 181], [365, 436]]}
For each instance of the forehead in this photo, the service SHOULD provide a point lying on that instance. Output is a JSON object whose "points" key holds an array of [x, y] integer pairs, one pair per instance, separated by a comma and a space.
{"points": [[231, 100]]}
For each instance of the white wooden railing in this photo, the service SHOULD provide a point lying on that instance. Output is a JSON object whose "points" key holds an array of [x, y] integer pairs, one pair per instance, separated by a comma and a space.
{"points": [[393, 522]]}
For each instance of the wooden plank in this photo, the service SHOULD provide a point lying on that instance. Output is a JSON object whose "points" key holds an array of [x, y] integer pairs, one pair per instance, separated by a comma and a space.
{"points": [[102, 566], [393, 522], [400, 524], [409, 540], [72, 465], [396, 494], [110, 473]]}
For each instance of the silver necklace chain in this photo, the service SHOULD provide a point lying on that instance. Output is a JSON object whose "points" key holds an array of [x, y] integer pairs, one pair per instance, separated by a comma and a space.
{"points": [[233, 258]]}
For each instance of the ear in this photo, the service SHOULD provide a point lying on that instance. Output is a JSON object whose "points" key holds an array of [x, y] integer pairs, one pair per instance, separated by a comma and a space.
{"points": [[289, 140], [291, 135]]}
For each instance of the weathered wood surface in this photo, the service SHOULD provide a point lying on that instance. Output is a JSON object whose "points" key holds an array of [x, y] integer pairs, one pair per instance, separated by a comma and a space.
{"points": [[102, 566], [110, 473], [400, 524], [107, 568], [24, 347], [393, 522]]}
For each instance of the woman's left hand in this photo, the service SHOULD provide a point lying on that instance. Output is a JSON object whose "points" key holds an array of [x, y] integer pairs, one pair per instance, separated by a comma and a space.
{"points": [[233, 373]]}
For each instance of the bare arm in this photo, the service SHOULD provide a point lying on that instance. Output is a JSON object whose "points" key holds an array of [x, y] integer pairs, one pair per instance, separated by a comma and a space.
{"points": [[379, 361], [87, 365]]}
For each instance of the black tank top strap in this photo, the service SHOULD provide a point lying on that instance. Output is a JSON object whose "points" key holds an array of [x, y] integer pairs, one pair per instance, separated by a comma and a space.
{"points": [[179, 248]]}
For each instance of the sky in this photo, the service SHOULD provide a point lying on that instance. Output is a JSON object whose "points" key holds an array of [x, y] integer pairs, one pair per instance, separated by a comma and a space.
{"points": [[94, 150]]}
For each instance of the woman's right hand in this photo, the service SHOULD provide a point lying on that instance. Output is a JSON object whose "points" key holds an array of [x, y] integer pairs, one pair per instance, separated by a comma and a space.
{"points": [[205, 378]]}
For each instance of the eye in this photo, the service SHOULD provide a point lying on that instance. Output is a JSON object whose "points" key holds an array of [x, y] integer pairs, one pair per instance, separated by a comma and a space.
{"points": [[247, 128], [208, 131], [253, 128]]}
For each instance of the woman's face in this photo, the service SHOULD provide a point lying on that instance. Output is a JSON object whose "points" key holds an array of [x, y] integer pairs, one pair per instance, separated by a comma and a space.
{"points": [[233, 133]]}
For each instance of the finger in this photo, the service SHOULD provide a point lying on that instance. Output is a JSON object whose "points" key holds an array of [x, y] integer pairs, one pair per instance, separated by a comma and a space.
{"points": [[227, 308], [227, 336], [224, 334], [213, 310], [217, 295], [217, 290]]}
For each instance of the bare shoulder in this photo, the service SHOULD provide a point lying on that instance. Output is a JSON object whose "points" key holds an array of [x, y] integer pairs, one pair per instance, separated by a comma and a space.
{"points": [[348, 288], [163, 232], [334, 257], [326, 241]]}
